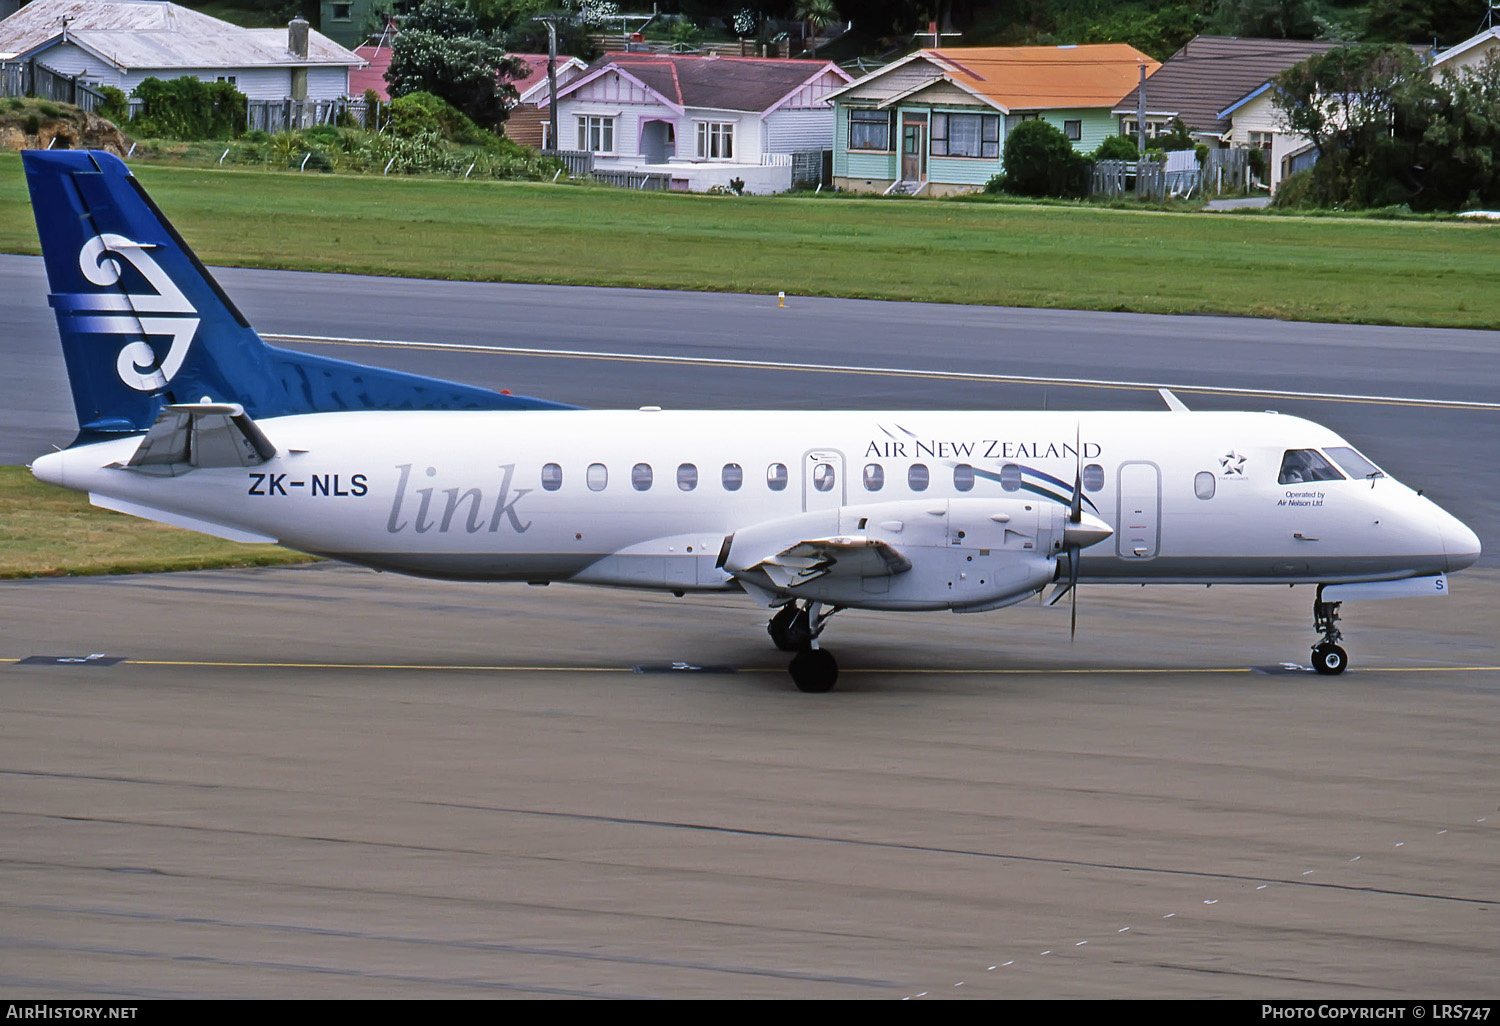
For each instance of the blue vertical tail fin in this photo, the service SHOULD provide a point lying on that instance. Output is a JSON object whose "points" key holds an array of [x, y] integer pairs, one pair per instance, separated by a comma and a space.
{"points": [[144, 325]]}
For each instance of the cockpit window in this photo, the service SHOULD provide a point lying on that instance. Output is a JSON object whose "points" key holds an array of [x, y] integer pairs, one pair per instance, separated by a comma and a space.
{"points": [[1300, 465], [1353, 463]]}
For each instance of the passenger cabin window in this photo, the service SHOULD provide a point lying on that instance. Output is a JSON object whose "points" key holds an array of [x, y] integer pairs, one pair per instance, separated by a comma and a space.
{"points": [[551, 477], [1353, 463], [1204, 484], [1301, 465], [776, 477], [1010, 477], [733, 476], [597, 477], [963, 477], [640, 477], [874, 477], [916, 477], [824, 477], [687, 477], [1093, 477]]}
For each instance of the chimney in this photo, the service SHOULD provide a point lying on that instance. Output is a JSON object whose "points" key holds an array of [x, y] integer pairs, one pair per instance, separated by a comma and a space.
{"points": [[296, 37]]}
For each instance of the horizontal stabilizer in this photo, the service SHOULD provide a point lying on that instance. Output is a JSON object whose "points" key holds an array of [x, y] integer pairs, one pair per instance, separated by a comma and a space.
{"points": [[135, 509]]}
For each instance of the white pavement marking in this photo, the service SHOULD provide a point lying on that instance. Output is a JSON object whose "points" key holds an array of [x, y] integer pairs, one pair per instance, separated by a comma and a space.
{"points": [[900, 372]]}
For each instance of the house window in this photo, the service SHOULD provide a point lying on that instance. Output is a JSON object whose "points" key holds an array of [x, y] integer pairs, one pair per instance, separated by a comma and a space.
{"points": [[1261, 139], [596, 134], [341, 12], [716, 140], [1073, 130], [869, 129], [966, 135], [227, 78], [1153, 128]]}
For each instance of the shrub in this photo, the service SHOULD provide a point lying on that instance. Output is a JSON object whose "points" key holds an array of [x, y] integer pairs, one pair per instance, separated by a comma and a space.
{"points": [[1039, 161], [189, 108], [116, 105], [1116, 147], [418, 113], [1295, 192]]}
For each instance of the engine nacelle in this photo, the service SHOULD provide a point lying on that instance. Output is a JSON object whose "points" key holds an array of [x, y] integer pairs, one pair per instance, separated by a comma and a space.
{"points": [[914, 554]]}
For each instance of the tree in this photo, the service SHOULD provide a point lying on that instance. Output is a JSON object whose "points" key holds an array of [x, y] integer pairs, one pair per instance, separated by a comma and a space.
{"points": [[1388, 134], [1456, 154], [440, 50]]}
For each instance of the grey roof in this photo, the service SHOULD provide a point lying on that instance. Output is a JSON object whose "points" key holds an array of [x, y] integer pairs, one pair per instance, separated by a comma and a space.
{"points": [[157, 34], [720, 83], [1211, 73]]}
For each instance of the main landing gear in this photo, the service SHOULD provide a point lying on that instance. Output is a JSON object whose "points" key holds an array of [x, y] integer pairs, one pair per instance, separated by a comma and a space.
{"points": [[1327, 657], [795, 628]]}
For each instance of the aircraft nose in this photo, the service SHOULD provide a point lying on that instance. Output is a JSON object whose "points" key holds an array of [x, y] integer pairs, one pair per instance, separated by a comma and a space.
{"points": [[1460, 543]]}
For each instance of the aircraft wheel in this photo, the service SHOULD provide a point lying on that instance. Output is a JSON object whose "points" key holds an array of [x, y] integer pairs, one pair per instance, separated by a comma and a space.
{"points": [[814, 670], [781, 625], [1329, 660]]}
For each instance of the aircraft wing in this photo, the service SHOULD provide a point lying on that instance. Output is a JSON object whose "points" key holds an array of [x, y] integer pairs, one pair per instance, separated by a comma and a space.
{"points": [[848, 557]]}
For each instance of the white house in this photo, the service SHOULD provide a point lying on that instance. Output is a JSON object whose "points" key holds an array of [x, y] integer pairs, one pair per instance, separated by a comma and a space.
{"points": [[1471, 53], [703, 121], [122, 42]]}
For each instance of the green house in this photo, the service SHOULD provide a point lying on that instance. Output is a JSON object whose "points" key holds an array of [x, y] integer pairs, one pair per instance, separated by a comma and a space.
{"points": [[934, 123]]}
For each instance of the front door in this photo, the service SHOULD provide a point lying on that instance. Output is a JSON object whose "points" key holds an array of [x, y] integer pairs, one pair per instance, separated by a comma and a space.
{"points": [[822, 479], [1138, 526], [913, 147]]}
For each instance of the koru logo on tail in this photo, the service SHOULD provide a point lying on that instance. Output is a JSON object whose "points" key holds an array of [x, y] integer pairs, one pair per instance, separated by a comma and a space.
{"points": [[137, 316]]}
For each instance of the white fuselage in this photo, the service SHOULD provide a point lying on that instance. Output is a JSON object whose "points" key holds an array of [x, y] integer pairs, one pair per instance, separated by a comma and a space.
{"points": [[648, 498]]}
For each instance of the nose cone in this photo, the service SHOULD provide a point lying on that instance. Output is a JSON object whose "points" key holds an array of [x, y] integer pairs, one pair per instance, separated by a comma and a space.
{"points": [[1460, 544], [1089, 530], [49, 468]]}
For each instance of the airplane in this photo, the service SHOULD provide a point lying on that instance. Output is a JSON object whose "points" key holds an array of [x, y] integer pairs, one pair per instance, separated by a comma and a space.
{"points": [[187, 417]]}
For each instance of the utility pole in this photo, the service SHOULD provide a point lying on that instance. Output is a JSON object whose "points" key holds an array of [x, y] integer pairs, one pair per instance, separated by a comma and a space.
{"points": [[1140, 136], [551, 21]]}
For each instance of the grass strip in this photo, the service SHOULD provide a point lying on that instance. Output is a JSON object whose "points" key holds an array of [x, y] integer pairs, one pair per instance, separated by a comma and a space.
{"points": [[46, 531], [1420, 273]]}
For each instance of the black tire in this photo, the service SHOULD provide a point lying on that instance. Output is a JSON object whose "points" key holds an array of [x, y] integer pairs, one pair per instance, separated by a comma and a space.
{"points": [[779, 627], [814, 671], [1330, 660]]}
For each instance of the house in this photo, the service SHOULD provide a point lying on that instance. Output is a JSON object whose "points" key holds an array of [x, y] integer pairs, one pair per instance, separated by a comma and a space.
{"points": [[701, 121], [122, 42], [1220, 87], [371, 77], [935, 122], [530, 117], [1471, 53]]}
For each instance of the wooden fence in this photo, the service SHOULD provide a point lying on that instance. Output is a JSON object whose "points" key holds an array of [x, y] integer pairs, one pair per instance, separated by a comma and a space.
{"points": [[33, 78], [1223, 170]]}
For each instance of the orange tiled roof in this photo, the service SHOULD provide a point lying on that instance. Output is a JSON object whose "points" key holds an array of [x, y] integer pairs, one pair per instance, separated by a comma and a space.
{"points": [[1024, 77]]}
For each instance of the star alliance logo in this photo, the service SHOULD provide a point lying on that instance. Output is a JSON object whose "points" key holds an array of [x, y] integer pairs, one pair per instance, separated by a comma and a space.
{"points": [[1233, 464]]}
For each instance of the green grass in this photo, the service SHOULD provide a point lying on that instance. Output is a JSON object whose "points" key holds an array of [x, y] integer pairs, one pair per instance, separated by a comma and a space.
{"points": [[1437, 273], [46, 531]]}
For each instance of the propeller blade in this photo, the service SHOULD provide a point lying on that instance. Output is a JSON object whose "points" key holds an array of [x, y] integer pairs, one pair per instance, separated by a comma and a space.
{"points": [[1073, 592]]}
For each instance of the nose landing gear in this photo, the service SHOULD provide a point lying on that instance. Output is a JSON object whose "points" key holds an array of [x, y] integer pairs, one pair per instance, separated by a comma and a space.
{"points": [[795, 628], [1327, 657]]}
